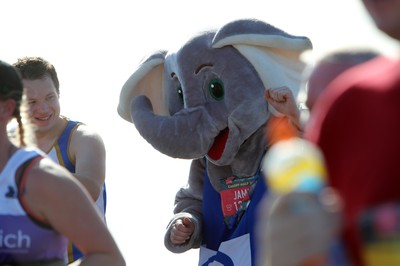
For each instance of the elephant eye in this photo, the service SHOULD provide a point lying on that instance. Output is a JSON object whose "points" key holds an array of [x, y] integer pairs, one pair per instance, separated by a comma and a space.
{"points": [[180, 93], [217, 89]]}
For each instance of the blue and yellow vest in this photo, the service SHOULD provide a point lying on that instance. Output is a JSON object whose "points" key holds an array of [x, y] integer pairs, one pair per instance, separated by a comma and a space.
{"points": [[59, 153]]}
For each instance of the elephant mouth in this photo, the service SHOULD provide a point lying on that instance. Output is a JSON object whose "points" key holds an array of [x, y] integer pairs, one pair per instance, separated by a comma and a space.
{"points": [[218, 146]]}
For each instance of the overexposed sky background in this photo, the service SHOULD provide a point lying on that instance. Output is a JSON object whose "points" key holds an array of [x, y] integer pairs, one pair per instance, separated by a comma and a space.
{"points": [[96, 44]]}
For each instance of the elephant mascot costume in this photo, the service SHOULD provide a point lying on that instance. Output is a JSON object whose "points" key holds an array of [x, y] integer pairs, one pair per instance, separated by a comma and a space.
{"points": [[205, 102]]}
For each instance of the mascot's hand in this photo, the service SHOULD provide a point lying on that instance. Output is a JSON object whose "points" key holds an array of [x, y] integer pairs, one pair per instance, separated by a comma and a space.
{"points": [[283, 101], [181, 231]]}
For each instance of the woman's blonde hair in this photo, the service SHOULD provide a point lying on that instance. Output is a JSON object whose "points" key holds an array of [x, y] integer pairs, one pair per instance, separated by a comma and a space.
{"points": [[21, 129]]}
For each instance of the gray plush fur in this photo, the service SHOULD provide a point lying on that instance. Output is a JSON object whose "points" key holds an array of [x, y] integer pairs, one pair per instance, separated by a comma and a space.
{"points": [[245, 57]]}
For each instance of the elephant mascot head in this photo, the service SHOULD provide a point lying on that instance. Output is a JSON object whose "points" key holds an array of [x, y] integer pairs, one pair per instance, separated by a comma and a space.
{"points": [[205, 102], [206, 99]]}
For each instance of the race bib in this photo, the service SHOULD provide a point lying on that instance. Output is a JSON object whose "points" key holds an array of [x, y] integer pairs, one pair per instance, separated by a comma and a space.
{"points": [[235, 197]]}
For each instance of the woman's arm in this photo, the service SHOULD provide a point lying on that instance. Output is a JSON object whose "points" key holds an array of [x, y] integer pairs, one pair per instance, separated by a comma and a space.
{"points": [[55, 196]]}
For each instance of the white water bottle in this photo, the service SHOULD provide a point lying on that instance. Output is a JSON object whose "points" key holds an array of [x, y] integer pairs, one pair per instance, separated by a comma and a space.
{"points": [[293, 163]]}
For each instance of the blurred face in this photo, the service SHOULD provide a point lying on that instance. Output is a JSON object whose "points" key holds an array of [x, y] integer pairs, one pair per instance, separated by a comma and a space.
{"points": [[386, 14], [319, 79], [44, 105]]}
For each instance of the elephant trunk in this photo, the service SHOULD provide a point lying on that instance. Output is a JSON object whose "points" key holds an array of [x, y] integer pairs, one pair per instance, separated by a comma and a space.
{"points": [[182, 135]]}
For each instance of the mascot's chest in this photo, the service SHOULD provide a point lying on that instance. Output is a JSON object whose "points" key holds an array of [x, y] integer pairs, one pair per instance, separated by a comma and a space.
{"points": [[236, 198], [229, 215]]}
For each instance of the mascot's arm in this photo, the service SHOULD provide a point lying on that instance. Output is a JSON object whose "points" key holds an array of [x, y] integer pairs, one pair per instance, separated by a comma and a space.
{"points": [[188, 203]]}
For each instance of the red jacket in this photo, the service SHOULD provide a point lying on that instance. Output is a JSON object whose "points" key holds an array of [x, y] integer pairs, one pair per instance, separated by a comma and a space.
{"points": [[356, 123]]}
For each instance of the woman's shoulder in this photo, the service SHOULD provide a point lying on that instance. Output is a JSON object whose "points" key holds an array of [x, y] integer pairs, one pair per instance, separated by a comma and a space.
{"points": [[46, 174]]}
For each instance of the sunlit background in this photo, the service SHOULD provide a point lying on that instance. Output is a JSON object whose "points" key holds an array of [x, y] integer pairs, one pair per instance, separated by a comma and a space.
{"points": [[95, 46]]}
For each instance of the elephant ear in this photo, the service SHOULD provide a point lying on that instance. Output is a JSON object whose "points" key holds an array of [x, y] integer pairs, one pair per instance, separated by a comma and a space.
{"points": [[274, 53], [146, 80]]}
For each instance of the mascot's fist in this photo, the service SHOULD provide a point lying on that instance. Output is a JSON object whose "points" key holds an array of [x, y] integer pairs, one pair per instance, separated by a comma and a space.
{"points": [[182, 231]]}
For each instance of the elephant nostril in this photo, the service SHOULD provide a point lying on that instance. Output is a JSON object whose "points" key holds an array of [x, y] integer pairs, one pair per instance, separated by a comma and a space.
{"points": [[218, 146]]}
